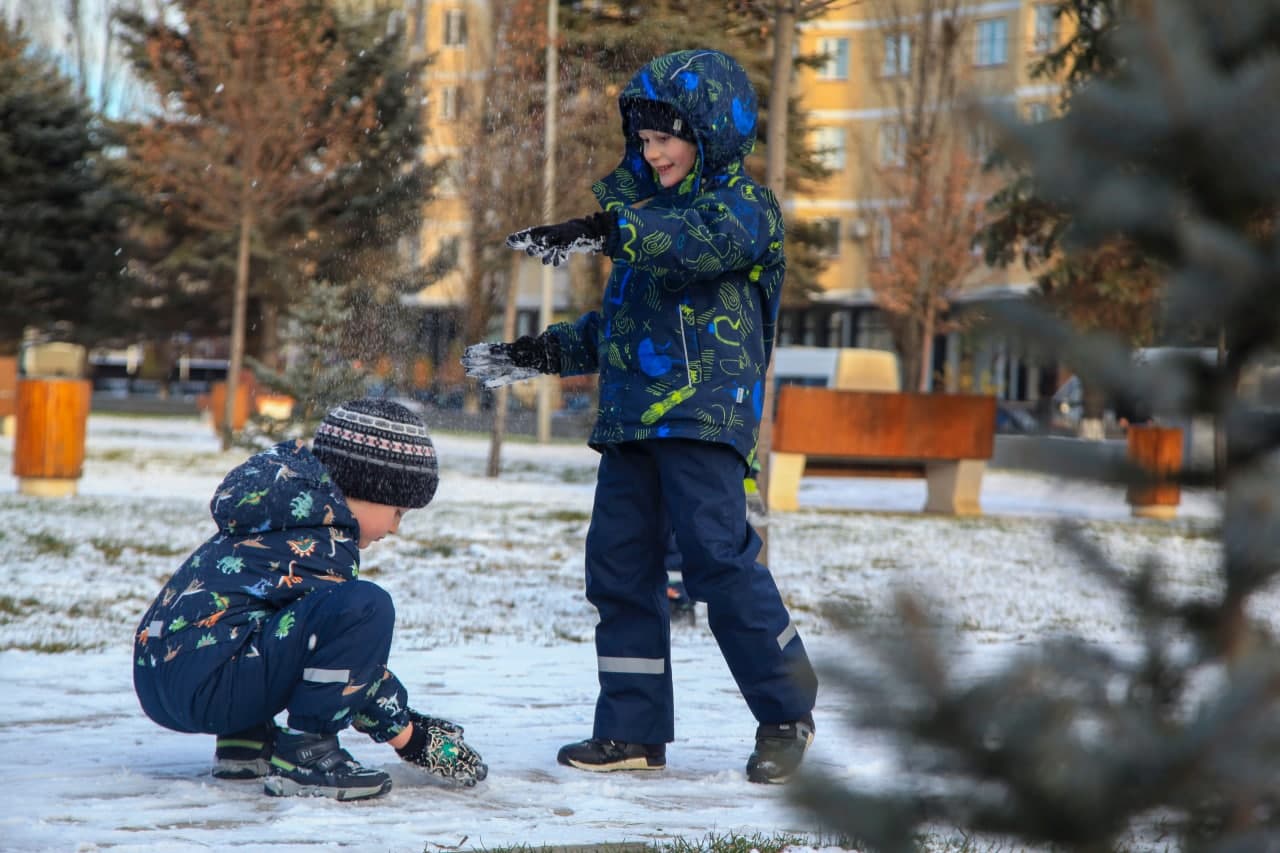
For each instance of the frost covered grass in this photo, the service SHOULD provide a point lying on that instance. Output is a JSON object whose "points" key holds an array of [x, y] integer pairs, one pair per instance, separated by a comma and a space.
{"points": [[493, 630]]}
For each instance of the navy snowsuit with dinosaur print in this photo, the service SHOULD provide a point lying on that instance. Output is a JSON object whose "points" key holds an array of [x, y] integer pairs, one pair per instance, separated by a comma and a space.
{"points": [[269, 614]]}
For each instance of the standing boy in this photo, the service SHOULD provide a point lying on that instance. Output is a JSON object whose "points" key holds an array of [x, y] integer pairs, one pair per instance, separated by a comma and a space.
{"points": [[268, 615], [681, 344]]}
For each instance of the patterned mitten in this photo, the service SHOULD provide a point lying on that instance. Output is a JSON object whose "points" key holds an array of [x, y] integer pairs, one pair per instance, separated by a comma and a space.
{"points": [[437, 746], [422, 721]]}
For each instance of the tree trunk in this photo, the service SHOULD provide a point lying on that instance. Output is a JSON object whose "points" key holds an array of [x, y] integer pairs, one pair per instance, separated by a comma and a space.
{"points": [[269, 337], [784, 36], [493, 467], [926, 350], [239, 306]]}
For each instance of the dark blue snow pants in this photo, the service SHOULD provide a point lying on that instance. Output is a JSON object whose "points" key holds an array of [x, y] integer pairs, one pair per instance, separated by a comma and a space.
{"points": [[323, 658], [644, 491]]}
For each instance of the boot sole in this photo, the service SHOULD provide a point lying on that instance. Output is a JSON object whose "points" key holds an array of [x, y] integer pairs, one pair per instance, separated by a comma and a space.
{"points": [[641, 763], [226, 768], [282, 786]]}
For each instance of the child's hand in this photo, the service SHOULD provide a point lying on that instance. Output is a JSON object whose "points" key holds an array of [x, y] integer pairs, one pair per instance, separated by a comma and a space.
{"points": [[554, 243], [437, 746], [501, 364]]}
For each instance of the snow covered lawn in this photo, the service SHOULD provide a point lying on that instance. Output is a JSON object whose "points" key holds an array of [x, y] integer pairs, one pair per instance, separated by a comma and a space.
{"points": [[494, 632]]}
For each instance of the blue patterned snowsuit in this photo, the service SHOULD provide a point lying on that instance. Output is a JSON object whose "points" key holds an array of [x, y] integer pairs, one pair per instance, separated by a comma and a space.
{"points": [[268, 614], [681, 344]]}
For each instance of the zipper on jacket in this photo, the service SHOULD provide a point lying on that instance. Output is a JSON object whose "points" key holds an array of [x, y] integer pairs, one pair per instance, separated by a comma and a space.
{"points": [[684, 342]]}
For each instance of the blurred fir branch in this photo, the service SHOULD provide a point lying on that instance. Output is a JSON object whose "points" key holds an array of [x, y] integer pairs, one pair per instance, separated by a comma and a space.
{"points": [[318, 373], [1071, 744]]}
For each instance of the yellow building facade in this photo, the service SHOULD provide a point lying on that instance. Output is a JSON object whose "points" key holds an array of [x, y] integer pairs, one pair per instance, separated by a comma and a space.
{"points": [[855, 103], [852, 117]]}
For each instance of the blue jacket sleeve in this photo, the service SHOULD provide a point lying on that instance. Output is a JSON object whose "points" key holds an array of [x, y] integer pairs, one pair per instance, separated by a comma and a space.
{"points": [[721, 232], [578, 344]]}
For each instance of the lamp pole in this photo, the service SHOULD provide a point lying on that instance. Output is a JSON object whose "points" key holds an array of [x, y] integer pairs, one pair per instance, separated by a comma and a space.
{"points": [[549, 201]]}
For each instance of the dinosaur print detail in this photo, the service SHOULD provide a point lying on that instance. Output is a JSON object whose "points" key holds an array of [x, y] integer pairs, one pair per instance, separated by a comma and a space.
{"points": [[252, 498], [301, 505], [269, 550]]}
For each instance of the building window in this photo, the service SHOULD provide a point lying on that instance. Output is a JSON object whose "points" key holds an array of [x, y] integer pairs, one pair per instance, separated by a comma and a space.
{"points": [[835, 59], [450, 103], [891, 149], [827, 236], [1045, 36], [455, 28], [882, 244], [829, 143], [1037, 111], [992, 42], [897, 55]]}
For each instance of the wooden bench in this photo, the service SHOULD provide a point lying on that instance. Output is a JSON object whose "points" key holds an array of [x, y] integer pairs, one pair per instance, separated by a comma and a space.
{"points": [[944, 438]]}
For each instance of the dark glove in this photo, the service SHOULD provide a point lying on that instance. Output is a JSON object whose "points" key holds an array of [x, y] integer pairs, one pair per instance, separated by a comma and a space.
{"points": [[501, 364], [436, 745], [554, 243]]}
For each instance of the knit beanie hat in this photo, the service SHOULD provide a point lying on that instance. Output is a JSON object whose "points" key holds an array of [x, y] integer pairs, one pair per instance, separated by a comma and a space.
{"points": [[378, 451], [659, 116]]}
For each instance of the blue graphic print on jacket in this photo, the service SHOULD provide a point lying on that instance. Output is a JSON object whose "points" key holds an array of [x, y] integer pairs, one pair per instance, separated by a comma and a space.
{"points": [[685, 330], [284, 530]]}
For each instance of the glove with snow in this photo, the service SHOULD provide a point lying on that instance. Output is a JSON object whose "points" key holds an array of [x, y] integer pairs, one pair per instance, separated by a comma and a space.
{"points": [[554, 243], [496, 365], [436, 746]]}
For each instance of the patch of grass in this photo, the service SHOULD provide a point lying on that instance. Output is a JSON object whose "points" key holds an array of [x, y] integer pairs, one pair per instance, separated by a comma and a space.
{"points": [[712, 843], [47, 543], [568, 516], [123, 454], [111, 549], [17, 606], [577, 475], [436, 546], [46, 648]]}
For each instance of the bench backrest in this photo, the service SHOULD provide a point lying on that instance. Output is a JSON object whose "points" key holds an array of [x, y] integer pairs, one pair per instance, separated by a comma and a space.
{"points": [[869, 424]]}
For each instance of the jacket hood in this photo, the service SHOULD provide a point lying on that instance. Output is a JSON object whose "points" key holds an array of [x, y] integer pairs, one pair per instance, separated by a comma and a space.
{"points": [[283, 487], [711, 91]]}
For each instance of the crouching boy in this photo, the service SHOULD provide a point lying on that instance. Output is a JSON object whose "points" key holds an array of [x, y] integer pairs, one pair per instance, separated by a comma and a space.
{"points": [[268, 615]]}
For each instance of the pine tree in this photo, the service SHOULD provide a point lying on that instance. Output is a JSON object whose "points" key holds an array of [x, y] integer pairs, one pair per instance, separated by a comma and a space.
{"points": [[61, 213], [265, 113], [319, 371], [1070, 743]]}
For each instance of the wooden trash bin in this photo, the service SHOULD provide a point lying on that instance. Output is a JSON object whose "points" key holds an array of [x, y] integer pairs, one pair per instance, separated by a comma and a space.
{"points": [[8, 394], [1159, 450], [48, 446], [245, 393]]}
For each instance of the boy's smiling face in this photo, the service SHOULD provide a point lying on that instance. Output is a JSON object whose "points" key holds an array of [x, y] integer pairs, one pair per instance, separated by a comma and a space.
{"points": [[671, 157]]}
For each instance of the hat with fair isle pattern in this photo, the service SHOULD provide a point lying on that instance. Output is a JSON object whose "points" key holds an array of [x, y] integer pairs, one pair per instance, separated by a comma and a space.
{"points": [[378, 451]]}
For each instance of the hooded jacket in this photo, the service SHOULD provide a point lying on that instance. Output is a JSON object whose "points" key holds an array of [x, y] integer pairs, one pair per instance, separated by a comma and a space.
{"points": [[685, 332], [284, 530]]}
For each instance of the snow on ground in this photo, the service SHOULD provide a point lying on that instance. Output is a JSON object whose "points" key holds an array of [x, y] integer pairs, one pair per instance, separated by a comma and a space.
{"points": [[494, 632]]}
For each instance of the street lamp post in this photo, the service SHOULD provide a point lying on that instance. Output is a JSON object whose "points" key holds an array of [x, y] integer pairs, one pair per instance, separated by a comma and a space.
{"points": [[549, 202]]}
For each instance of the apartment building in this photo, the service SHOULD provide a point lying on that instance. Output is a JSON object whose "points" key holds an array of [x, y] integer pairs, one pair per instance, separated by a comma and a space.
{"points": [[855, 103]]}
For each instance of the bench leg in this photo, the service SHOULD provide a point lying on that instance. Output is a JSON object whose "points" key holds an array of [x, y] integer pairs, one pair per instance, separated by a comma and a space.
{"points": [[954, 486], [785, 471]]}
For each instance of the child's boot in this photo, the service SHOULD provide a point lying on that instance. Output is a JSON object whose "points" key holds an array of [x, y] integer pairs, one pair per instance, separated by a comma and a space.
{"points": [[780, 748], [245, 754], [310, 765]]}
